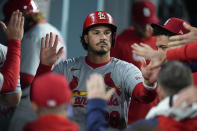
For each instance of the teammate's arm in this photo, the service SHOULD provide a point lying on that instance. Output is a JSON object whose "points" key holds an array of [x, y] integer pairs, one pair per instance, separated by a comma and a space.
{"points": [[48, 54], [97, 98], [11, 67], [146, 91]]}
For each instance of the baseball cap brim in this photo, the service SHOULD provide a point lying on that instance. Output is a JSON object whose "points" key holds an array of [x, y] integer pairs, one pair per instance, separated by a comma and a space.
{"points": [[160, 30]]}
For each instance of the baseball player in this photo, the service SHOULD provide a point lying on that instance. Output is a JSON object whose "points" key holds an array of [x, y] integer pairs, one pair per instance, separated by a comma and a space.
{"points": [[173, 26], [10, 90], [97, 38], [143, 15], [35, 28]]}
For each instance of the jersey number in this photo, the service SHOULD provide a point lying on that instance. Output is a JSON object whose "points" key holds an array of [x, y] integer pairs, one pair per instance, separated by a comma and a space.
{"points": [[113, 118]]}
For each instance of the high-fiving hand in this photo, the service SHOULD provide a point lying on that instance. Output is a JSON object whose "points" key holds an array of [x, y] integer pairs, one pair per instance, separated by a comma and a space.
{"points": [[149, 74], [96, 88], [157, 57], [15, 28], [48, 54], [179, 40]]}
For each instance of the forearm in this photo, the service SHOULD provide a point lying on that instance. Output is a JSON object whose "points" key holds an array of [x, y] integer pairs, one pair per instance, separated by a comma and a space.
{"points": [[185, 53], [144, 94], [43, 69], [11, 67], [26, 79], [96, 115]]}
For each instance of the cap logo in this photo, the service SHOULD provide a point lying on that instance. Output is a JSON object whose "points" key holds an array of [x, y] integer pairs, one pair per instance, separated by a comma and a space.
{"points": [[146, 12], [51, 103], [101, 15]]}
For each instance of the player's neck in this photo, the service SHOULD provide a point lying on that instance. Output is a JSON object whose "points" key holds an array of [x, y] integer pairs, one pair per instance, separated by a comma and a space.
{"points": [[98, 59]]}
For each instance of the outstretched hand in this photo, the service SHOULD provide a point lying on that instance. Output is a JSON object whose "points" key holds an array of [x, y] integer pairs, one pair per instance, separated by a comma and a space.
{"points": [[96, 88], [15, 28], [179, 40], [149, 74], [48, 54], [157, 57]]}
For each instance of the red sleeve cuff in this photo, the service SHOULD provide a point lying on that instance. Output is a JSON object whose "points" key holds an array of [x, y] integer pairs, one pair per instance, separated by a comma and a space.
{"points": [[14, 43], [43, 69]]}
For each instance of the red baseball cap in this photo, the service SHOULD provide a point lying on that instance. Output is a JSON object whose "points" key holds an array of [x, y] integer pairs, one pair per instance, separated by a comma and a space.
{"points": [[173, 26], [28, 6], [50, 90], [144, 12]]}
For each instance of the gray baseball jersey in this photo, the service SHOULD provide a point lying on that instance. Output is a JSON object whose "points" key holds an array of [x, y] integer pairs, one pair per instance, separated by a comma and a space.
{"points": [[117, 74], [31, 45]]}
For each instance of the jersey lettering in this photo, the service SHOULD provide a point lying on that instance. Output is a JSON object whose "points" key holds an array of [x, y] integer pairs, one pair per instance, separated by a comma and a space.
{"points": [[113, 102], [80, 101]]}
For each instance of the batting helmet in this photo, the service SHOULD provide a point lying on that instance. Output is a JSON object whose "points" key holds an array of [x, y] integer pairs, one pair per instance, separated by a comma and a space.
{"points": [[28, 6], [98, 18]]}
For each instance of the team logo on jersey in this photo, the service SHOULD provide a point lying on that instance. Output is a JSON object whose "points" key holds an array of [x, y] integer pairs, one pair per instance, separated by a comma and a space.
{"points": [[101, 15], [80, 99], [74, 83], [109, 82]]}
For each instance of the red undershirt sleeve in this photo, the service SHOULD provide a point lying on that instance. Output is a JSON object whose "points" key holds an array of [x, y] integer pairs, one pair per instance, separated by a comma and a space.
{"points": [[11, 67], [184, 53], [144, 95], [43, 69]]}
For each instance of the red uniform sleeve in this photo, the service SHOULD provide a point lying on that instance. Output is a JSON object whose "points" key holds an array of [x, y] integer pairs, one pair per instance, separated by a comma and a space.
{"points": [[184, 53], [143, 95], [11, 67], [43, 69], [26, 79]]}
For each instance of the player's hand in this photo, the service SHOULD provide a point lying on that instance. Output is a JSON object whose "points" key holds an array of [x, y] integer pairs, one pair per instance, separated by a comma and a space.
{"points": [[149, 74], [96, 88], [48, 54], [15, 28], [179, 40], [188, 95], [157, 57]]}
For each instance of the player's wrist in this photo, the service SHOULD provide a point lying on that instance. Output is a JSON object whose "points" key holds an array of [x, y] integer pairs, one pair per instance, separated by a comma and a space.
{"points": [[149, 85]]}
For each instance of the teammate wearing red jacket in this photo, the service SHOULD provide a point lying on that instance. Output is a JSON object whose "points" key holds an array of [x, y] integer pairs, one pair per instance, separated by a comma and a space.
{"points": [[51, 96], [143, 15], [185, 53]]}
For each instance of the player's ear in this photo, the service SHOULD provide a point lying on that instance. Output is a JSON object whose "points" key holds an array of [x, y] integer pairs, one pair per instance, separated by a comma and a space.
{"points": [[86, 38]]}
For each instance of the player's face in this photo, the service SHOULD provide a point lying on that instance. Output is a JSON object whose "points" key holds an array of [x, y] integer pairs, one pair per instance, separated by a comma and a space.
{"points": [[99, 40], [162, 42]]}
